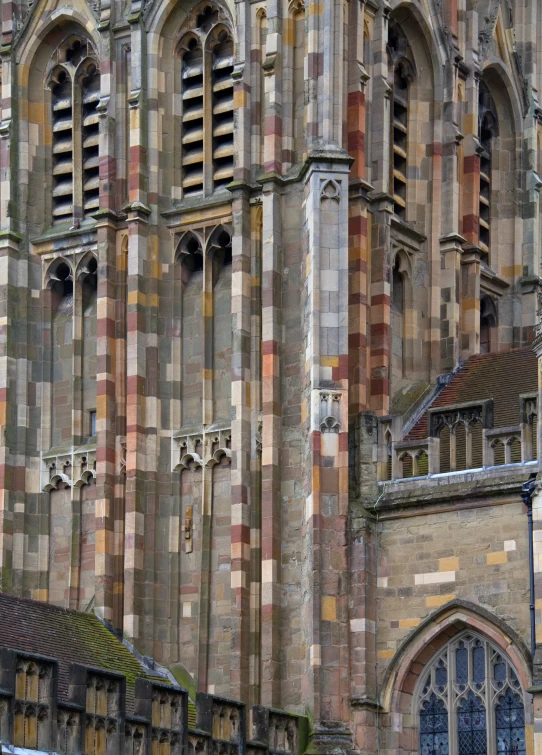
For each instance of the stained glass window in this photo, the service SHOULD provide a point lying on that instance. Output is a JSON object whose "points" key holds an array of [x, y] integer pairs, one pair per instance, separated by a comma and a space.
{"points": [[471, 726], [470, 701], [434, 727], [510, 724]]}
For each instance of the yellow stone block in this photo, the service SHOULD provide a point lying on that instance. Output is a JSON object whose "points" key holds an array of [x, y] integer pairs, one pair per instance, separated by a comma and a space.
{"points": [[239, 99], [408, 623], [329, 361], [435, 601], [511, 271], [448, 564], [499, 557], [386, 653], [328, 608]]}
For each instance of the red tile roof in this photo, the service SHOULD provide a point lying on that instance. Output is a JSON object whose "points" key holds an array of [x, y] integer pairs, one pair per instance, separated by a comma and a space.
{"points": [[503, 377]]}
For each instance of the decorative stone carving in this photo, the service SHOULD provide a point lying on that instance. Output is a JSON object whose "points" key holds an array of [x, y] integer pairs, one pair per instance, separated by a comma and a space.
{"points": [[330, 412], [203, 449], [330, 190], [69, 470]]}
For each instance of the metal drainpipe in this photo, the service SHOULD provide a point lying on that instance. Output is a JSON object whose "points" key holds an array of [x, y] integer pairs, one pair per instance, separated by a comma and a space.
{"points": [[527, 490]]}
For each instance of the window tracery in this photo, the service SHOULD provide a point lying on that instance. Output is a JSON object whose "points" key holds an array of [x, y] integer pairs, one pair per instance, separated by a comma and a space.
{"points": [[74, 81], [470, 702]]}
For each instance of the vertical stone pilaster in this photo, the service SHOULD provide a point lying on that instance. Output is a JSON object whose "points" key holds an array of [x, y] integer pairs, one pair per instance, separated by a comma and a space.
{"points": [[136, 372], [358, 221], [324, 682], [470, 301], [106, 352], [272, 67], [241, 498], [271, 445], [380, 241], [450, 292]]}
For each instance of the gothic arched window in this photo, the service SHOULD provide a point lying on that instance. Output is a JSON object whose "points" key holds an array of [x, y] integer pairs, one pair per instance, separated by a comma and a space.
{"points": [[206, 55], [470, 701], [74, 81]]}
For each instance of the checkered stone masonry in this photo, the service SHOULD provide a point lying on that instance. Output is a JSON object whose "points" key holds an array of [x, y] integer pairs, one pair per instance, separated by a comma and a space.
{"points": [[190, 449]]}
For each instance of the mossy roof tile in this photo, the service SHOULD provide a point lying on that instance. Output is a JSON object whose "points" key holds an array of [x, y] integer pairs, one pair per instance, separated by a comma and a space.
{"points": [[503, 377], [69, 637]]}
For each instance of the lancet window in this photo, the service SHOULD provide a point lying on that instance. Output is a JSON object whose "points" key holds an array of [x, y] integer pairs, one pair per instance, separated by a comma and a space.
{"points": [[470, 702], [74, 81], [206, 55], [400, 75]]}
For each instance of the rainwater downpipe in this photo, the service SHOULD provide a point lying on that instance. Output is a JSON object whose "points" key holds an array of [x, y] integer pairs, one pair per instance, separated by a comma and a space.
{"points": [[527, 490]]}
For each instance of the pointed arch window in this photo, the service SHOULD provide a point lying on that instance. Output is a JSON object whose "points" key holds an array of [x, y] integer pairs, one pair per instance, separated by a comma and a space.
{"points": [[74, 82], [400, 63], [207, 58], [487, 131], [470, 701]]}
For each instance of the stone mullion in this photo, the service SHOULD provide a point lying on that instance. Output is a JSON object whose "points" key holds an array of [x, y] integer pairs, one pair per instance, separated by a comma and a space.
{"points": [[273, 107], [241, 498], [136, 368], [271, 447]]}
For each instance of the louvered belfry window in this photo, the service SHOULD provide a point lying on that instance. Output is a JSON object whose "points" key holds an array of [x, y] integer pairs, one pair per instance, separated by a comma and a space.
{"points": [[91, 142], [401, 73], [206, 54], [192, 119], [222, 112], [488, 130], [62, 147], [74, 82]]}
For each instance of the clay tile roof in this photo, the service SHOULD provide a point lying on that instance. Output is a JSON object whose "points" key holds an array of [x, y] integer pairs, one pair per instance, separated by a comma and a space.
{"points": [[502, 377], [69, 637]]}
